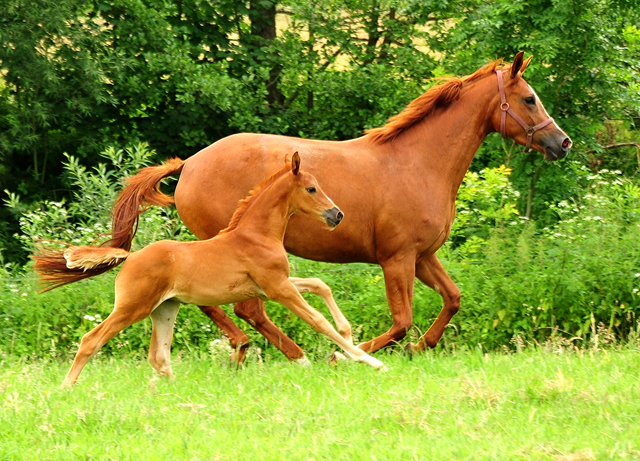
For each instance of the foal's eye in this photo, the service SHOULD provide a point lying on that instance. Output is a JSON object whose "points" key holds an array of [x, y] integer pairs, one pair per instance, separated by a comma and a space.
{"points": [[311, 190], [530, 100]]}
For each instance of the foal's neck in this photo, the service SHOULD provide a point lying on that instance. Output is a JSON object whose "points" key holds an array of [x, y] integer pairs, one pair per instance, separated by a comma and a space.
{"points": [[268, 214]]}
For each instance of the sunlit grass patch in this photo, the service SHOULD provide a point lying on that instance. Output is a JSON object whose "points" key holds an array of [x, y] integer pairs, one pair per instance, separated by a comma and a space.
{"points": [[530, 405]]}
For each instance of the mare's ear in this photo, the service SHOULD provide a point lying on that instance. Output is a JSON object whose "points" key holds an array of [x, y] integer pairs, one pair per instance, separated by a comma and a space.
{"points": [[517, 64], [525, 64], [295, 163]]}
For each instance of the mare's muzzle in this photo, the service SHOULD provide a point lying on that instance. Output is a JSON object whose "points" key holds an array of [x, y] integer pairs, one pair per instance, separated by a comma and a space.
{"points": [[333, 216], [556, 147]]}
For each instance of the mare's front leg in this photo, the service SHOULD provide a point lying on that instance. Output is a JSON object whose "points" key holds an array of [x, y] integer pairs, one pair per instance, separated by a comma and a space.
{"points": [[287, 294], [399, 273], [431, 272], [318, 287]]}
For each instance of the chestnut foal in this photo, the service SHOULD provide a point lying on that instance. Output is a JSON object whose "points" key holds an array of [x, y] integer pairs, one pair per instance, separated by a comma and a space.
{"points": [[244, 261]]}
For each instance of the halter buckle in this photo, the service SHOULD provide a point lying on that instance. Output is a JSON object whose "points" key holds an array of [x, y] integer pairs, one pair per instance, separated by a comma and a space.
{"points": [[530, 130]]}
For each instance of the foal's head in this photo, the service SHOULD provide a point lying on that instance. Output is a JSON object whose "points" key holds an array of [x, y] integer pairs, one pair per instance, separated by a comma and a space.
{"points": [[522, 117], [307, 197]]}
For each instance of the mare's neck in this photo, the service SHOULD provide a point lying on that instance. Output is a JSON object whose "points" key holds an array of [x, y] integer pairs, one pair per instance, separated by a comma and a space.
{"points": [[269, 212], [446, 141]]}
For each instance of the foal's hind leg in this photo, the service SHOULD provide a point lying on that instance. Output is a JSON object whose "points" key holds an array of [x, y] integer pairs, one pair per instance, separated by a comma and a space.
{"points": [[318, 287], [163, 318], [91, 343]]}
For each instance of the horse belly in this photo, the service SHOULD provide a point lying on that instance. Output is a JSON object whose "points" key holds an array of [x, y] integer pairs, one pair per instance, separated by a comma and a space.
{"points": [[217, 290]]}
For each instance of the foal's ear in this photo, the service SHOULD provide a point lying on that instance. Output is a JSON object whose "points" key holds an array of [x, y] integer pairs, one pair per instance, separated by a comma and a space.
{"points": [[518, 62], [295, 163]]}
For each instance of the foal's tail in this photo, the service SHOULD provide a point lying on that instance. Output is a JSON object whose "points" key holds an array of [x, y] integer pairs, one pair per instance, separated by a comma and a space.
{"points": [[142, 190], [57, 268]]}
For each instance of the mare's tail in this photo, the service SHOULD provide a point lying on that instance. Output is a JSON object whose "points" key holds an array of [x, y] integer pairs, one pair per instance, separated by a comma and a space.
{"points": [[57, 268], [141, 191]]}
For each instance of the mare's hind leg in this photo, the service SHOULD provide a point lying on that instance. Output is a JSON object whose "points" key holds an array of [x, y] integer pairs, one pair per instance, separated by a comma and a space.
{"points": [[238, 339], [163, 318], [253, 312], [431, 272], [91, 343], [318, 287]]}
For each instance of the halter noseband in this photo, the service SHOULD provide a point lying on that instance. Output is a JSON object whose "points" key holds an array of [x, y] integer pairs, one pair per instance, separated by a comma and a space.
{"points": [[504, 107]]}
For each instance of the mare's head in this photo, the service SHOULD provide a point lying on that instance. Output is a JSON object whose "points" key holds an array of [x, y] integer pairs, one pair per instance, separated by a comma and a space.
{"points": [[308, 198], [521, 116]]}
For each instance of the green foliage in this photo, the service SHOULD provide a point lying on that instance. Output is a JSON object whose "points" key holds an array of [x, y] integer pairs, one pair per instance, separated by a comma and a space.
{"points": [[573, 279], [88, 217], [76, 77]]}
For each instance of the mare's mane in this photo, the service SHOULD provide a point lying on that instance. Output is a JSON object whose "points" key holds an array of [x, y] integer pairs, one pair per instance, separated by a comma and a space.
{"points": [[245, 202], [437, 97]]}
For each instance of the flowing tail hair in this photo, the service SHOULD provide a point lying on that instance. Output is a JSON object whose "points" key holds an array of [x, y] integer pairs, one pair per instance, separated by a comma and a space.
{"points": [[56, 268]]}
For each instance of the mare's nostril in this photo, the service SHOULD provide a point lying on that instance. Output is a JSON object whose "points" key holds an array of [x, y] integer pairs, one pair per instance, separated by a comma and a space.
{"points": [[339, 216], [566, 144]]}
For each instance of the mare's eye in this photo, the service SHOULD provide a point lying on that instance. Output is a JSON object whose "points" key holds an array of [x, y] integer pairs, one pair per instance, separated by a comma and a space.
{"points": [[311, 190], [530, 100]]}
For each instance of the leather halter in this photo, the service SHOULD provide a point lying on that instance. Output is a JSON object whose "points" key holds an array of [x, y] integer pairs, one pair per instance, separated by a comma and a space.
{"points": [[504, 107]]}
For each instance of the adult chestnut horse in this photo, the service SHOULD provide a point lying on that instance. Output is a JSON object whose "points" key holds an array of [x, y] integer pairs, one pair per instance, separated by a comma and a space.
{"points": [[246, 260], [396, 184]]}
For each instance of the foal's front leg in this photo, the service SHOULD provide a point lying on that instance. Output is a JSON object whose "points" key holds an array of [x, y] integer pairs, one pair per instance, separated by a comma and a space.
{"points": [[286, 294], [318, 287]]}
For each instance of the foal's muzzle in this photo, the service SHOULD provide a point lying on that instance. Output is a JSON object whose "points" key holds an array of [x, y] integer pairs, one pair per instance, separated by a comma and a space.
{"points": [[333, 216]]}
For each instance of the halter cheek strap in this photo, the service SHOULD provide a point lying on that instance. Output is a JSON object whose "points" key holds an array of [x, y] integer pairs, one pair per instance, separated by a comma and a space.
{"points": [[504, 107]]}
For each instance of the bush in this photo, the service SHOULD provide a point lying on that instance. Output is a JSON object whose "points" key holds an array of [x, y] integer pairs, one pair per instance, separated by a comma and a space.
{"points": [[574, 278]]}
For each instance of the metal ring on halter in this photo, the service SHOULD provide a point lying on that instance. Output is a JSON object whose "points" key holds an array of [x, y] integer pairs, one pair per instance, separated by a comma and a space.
{"points": [[504, 106]]}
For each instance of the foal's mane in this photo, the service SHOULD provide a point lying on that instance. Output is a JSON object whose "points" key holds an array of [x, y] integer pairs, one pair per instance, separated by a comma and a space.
{"points": [[437, 97], [245, 202]]}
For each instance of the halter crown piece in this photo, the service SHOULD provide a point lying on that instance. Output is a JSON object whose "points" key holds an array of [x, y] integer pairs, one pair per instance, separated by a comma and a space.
{"points": [[504, 107]]}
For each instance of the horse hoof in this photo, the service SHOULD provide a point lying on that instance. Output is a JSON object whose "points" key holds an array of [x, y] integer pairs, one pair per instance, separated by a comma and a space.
{"points": [[303, 361], [373, 362], [336, 357]]}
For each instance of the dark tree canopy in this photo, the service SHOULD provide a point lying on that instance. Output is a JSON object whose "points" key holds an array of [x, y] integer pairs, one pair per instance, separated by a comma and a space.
{"points": [[78, 76]]}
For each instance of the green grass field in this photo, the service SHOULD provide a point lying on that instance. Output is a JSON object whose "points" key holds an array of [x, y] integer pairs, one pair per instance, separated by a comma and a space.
{"points": [[438, 406]]}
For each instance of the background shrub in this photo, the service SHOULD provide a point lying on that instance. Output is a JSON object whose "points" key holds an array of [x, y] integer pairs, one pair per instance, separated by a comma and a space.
{"points": [[570, 278]]}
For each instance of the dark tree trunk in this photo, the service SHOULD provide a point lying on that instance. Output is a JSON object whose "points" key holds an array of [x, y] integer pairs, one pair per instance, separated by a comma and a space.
{"points": [[262, 15]]}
